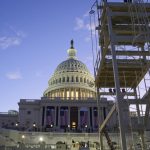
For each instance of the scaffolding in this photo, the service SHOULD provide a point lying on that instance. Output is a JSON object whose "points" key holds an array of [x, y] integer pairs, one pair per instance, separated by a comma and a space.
{"points": [[123, 61]]}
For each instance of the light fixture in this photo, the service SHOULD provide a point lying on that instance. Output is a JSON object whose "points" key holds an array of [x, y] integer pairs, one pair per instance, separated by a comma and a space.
{"points": [[17, 123], [73, 123], [34, 124], [91, 11], [23, 136], [41, 139]]}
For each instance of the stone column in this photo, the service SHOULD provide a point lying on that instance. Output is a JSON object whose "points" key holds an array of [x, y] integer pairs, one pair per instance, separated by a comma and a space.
{"points": [[65, 94], [86, 93], [55, 116], [81, 94], [89, 117], [60, 93], [75, 93], [57, 93], [68, 115], [41, 123], [92, 117], [79, 125], [45, 116], [59, 117], [90, 94], [72, 94], [69, 93], [100, 115]]}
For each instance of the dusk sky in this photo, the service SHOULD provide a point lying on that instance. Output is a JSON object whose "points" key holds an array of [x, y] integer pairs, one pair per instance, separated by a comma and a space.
{"points": [[34, 38]]}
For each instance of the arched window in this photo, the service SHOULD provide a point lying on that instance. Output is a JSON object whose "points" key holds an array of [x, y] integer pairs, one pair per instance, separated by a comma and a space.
{"points": [[81, 79], [67, 79], [84, 80]]}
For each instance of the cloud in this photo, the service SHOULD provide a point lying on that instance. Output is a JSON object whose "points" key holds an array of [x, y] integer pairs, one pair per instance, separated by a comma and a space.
{"points": [[14, 38], [18, 33], [89, 27], [79, 24], [14, 75], [6, 42], [83, 24]]}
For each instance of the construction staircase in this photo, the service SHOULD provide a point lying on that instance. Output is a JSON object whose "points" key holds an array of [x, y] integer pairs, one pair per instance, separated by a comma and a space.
{"points": [[109, 142]]}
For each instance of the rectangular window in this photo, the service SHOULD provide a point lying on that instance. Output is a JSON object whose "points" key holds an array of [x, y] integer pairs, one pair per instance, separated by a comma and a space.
{"points": [[28, 112]]}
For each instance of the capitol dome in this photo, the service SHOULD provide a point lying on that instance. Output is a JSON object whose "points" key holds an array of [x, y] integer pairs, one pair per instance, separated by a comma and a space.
{"points": [[71, 79]]}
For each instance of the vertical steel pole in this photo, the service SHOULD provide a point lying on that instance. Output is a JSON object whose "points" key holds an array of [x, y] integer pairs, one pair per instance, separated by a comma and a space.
{"points": [[99, 120], [119, 96]]}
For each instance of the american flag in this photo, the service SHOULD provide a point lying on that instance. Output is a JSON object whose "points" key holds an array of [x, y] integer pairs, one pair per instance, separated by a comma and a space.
{"points": [[50, 115], [84, 118], [64, 117]]}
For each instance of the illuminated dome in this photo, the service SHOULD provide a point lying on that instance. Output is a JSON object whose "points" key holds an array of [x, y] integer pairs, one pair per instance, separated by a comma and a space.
{"points": [[71, 79]]}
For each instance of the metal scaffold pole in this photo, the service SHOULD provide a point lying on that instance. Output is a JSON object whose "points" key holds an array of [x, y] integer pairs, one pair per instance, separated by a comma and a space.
{"points": [[119, 97]]}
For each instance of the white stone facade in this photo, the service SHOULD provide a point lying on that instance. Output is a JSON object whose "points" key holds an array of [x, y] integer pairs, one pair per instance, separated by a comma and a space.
{"points": [[49, 114]]}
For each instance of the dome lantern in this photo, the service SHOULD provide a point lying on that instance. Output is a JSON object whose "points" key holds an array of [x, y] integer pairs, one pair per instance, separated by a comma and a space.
{"points": [[71, 52]]}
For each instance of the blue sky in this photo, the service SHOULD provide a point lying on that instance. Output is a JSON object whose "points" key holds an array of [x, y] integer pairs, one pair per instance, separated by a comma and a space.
{"points": [[34, 38]]}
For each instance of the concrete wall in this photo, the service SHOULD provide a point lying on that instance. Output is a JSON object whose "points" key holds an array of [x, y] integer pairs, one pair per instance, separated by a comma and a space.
{"points": [[29, 113], [53, 138], [8, 120]]}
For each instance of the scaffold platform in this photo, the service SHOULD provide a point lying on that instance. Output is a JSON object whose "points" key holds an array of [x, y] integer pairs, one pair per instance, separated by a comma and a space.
{"points": [[129, 33]]}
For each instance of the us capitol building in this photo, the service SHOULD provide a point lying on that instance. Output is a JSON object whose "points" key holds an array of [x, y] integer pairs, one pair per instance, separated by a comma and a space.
{"points": [[68, 104]]}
